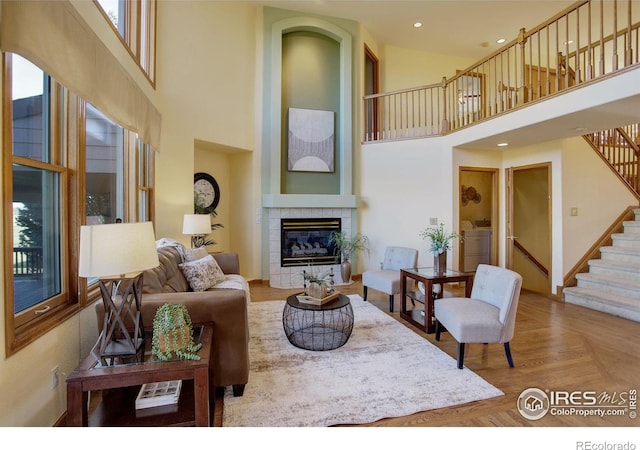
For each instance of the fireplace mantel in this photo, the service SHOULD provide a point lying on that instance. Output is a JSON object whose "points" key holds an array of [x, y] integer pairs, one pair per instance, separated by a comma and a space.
{"points": [[308, 200]]}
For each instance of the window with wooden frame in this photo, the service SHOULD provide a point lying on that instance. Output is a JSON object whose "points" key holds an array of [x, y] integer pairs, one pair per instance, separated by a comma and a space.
{"points": [[134, 21], [69, 164]]}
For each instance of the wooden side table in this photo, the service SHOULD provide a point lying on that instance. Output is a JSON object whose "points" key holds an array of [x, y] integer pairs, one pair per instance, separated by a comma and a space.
{"points": [[196, 406], [424, 319]]}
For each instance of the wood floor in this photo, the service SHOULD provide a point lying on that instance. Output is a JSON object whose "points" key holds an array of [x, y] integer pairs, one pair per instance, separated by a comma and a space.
{"points": [[557, 347]]}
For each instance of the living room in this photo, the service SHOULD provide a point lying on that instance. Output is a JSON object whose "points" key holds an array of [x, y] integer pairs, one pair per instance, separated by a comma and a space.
{"points": [[212, 92]]}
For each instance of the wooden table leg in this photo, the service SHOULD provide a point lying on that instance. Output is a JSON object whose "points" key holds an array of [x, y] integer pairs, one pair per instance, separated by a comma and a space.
{"points": [[201, 397], [403, 284], [77, 414], [428, 307]]}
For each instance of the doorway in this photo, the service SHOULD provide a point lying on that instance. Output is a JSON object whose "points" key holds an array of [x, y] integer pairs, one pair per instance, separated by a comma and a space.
{"points": [[528, 234], [478, 212], [371, 86]]}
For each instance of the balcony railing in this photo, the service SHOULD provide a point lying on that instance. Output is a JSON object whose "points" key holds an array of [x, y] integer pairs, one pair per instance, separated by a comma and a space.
{"points": [[27, 261], [586, 41]]}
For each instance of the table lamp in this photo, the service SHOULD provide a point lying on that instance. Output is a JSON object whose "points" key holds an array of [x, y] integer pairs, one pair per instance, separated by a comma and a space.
{"points": [[118, 253], [198, 226]]}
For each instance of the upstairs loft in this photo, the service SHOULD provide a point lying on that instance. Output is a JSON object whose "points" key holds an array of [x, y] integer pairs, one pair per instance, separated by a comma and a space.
{"points": [[579, 69]]}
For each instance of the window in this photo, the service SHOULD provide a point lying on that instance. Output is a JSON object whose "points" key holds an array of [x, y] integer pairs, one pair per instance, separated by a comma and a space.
{"points": [[135, 23], [144, 180], [69, 165], [104, 172], [33, 260]]}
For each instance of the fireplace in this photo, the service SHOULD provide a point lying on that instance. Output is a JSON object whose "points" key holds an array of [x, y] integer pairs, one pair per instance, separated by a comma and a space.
{"points": [[305, 242]]}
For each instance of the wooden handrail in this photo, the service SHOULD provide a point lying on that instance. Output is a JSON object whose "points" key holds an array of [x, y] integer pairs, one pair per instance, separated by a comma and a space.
{"points": [[536, 64], [620, 152], [531, 258], [594, 251]]}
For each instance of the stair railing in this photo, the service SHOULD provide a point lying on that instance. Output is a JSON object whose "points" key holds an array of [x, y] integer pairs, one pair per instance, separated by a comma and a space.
{"points": [[541, 267], [605, 239], [588, 40], [618, 148]]}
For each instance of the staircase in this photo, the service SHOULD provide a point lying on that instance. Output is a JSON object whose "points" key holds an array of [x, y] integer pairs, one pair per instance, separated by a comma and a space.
{"points": [[612, 284]]}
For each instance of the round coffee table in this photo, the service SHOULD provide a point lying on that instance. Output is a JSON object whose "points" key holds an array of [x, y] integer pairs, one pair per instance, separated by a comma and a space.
{"points": [[318, 327]]}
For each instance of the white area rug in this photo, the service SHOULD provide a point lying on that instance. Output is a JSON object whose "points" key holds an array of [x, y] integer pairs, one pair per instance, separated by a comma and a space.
{"points": [[384, 370]]}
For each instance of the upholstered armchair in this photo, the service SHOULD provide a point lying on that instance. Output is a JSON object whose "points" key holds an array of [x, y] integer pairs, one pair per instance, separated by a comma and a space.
{"points": [[387, 279], [489, 316]]}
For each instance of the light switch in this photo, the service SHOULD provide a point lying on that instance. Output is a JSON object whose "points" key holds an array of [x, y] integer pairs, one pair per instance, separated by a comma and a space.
{"points": [[574, 211], [433, 221]]}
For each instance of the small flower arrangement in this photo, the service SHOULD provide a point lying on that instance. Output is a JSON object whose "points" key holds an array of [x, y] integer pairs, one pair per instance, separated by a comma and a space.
{"points": [[440, 239], [318, 285]]}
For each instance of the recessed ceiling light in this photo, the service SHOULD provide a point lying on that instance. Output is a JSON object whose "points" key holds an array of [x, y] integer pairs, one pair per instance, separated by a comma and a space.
{"points": [[581, 129], [568, 42], [417, 25], [503, 144], [501, 41]]}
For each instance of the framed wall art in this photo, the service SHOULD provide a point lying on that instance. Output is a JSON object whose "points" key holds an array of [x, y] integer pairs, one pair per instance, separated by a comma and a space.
{"points": [[311, 136]]}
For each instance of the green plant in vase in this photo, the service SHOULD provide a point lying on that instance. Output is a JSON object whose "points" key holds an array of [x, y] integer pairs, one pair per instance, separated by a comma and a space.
{"points": [[173, 334], [347, 247], [440, 244]]}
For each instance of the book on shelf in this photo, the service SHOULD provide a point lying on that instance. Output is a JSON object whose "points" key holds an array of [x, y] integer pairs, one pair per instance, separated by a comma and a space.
{"points": [[158, 394], [317, 301]]}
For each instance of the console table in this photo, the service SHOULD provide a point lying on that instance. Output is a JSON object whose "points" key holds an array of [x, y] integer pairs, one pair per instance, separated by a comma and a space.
{"points": [[121, 383], [423, 318]]}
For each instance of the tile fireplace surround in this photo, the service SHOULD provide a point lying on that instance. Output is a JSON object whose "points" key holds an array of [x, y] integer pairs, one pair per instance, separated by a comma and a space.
{"points": [[291, 277]]}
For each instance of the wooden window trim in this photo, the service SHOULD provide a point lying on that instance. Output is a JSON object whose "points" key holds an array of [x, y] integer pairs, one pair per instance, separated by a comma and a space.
{"points": [[132, 28]]}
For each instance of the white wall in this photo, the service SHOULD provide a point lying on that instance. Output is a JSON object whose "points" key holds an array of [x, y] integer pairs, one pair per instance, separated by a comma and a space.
{"points": [[206, 88], [404, 184], [595, 191], [402, 68]]}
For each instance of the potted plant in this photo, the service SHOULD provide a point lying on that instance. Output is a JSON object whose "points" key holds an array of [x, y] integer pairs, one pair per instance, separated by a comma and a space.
{"points": [[348, 247], [200, 241], [440, 243], [173, 333]]}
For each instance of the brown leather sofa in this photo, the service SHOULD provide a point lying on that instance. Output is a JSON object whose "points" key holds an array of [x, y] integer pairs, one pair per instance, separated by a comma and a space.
{"points": [[226, 308]]}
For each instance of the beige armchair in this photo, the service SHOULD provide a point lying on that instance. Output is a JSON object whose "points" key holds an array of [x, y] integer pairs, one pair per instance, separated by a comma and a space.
{"points": [[387, 279], [488, 316]]}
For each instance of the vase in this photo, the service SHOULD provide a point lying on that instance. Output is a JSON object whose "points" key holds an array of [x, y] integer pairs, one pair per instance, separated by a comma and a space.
{"points": [[440, 263], [317, 290], [345, 271]]}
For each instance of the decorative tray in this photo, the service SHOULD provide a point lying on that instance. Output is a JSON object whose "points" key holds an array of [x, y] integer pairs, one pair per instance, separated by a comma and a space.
{"points": [[317, 301]]}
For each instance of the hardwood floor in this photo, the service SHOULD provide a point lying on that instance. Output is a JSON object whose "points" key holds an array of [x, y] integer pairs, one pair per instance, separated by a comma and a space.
{"points": [[557, 347]]}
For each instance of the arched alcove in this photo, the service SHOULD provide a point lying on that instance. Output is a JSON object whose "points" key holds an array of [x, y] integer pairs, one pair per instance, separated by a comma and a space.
{"points": [[273, 197]]}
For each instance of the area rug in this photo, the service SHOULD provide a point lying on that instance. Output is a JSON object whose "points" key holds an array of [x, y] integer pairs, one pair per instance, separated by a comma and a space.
{"points": [[384, 370]]}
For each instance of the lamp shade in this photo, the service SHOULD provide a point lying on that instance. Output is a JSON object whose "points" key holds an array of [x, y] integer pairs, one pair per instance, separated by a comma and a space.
{"points": [[117, 248], [196, 224]]}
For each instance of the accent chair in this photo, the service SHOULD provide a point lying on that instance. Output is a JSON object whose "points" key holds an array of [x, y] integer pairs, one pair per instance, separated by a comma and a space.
{"points": [[488, 316], [387, 279]]}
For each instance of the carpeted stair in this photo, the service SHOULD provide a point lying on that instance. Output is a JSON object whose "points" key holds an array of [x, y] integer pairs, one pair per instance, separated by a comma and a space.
{"points": [[612, 284]]}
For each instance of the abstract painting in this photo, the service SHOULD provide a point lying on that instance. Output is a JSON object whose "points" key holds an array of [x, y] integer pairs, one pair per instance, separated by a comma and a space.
{"points": [[311, 136]]}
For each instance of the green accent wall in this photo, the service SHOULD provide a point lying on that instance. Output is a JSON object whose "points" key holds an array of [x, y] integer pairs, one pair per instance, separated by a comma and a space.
{"points": [[310, 80]]}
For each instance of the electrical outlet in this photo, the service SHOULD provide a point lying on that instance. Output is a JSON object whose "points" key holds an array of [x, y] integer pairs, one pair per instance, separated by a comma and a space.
{"points": [[54, 377], [433, 221]]}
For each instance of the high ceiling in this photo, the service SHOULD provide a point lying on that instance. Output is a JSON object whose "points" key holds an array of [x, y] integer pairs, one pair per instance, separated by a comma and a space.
{"points": [[469, 29], [457, 28]]}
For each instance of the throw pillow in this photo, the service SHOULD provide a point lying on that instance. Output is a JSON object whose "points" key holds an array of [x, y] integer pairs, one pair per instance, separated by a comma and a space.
{"points": [[194, 254], [202, 273]]}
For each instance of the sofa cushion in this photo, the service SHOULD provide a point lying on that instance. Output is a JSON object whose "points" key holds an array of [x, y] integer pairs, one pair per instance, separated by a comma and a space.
{"points": [[202, 273], [167, 277], [194, 254]]}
